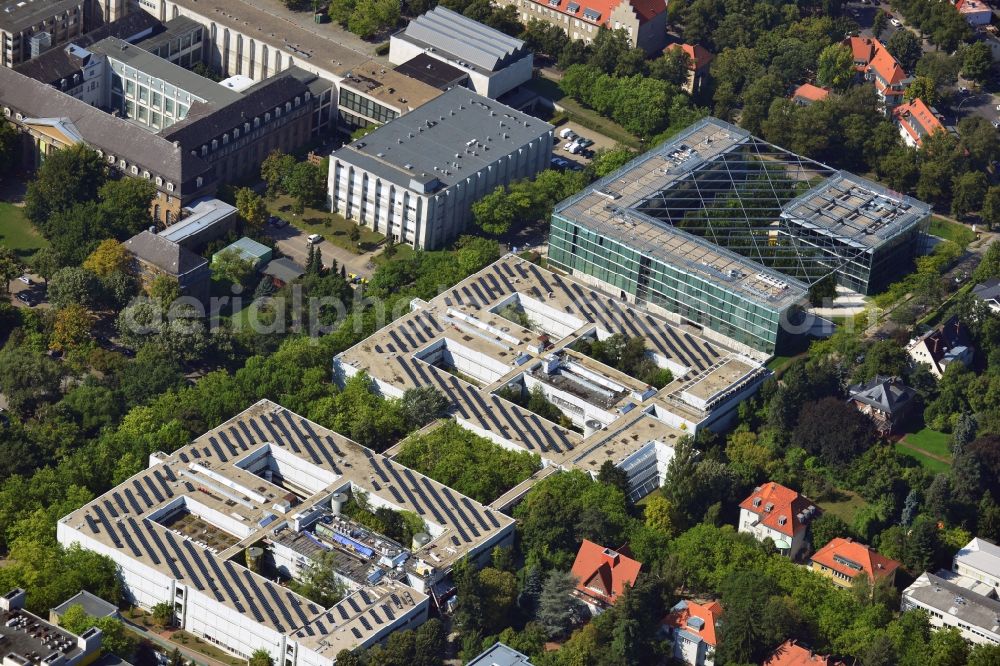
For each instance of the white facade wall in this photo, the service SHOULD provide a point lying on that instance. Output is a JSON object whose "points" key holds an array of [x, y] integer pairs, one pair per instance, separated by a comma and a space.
{"points": [[196, 612], [426, 221], [235, 52], [750, 524], [942, 620], [693, 654], [488, 84]]}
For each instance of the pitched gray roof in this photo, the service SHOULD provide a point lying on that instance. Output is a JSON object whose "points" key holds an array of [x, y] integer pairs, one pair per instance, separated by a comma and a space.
{"points": [[464, 39], [92, 605], [199, 128], [446, 140], [887, 394], [284, 269], [100, 130], [164, 254], [987, 291], [59, 63], [16, 15]]}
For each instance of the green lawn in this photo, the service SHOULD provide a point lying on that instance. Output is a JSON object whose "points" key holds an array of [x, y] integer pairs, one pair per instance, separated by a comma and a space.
{"points": [[334, 228], [845, 507], [932, 465], [582, 115], [17, 233], [958, 233], [929, 440]]}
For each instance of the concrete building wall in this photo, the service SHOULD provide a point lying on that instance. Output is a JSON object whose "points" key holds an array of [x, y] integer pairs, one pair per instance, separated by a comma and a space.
{"points": [[65, 22], [426, 221]]}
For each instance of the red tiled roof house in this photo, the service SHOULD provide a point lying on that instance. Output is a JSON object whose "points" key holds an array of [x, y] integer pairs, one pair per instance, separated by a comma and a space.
{"points": [[790, 653], [916, 120], [843, 560], [602, 575], [645, 21], [807, 94], [700, 59], [693, 629], [780, 514], [873, 61]]}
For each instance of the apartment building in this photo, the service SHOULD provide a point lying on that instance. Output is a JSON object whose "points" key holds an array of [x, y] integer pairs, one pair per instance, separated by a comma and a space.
{"points": [[949, 605], [874, 63], [844, 560], [694, 630]]}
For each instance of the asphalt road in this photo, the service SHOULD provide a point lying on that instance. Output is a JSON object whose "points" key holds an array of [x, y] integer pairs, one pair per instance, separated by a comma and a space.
{"points": [[292, 242]]}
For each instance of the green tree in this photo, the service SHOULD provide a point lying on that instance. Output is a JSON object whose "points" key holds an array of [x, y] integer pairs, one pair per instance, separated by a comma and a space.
{"points": [[879, 22], [163, 614], [74, 286], [905, 48], [304, 183], [558, 609], [836, 67], [319, 582], [275, 169], [10, 268], [260, 657], [109, 257], [496, 212], [613, 475], [28, 378], [968, 192], [45, 263], [658, 514], [990, 213], [977, 60], [673, 66], [230, 266], [251, 207], [422, 405], [922, 88], [65, 178], [113, 636], [71, 327], [10, 146], [164, 289], [826, 527], [125, 206], [499, 596]]}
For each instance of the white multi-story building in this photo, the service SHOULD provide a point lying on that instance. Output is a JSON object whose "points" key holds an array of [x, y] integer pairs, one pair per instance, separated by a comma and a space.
{"points": [[778, 513], [495, 62], [257, 489], [490, 341], [976, 616], [415, 178]]}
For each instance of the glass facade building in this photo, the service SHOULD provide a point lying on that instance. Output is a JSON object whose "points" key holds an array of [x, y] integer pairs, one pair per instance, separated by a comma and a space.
{"points": [[728, 232]]}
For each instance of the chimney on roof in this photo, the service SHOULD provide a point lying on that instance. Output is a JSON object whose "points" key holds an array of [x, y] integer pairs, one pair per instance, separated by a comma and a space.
{"points": [[611, 556]]}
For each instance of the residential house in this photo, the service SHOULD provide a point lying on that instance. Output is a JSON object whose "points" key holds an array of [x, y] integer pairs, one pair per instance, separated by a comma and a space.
{"points": [[942, 346], [154, 256], [699, 60], [989, 293], [602, 574], [874, 62], [645, 21], [843, 560], [948, 604], [693, 628], [979, 561], [976, 12], [778, 513], [807, 94], [915, 121], [791, 653], [887, 401]]}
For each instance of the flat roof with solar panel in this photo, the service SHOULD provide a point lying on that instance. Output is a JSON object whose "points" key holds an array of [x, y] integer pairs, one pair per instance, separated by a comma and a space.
{"points": [[514, 327], [263, 484]]}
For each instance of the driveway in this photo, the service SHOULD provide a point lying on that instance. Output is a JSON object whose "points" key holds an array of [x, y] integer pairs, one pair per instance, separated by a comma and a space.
{"points": [[37, 289], [293, 244]]}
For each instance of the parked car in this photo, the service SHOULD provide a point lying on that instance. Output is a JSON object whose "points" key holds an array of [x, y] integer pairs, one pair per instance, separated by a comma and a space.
{"points": [[25, 279], [312, 239], [565, 132], [26, 298], [996, 124], [586, 143], [568, 145], [896, 22]]}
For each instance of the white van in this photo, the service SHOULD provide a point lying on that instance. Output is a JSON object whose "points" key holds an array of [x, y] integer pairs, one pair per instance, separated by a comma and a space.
{"points": [[314, 238], [565, 132]]}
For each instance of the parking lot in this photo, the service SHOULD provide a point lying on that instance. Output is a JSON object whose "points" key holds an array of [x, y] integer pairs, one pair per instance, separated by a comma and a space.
{"points": [[599, 141], [27, 295], [294, 244]]}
